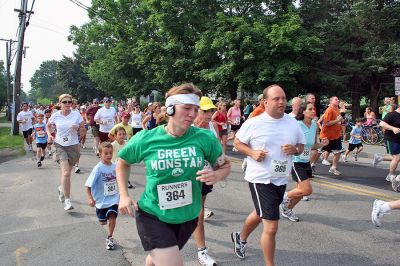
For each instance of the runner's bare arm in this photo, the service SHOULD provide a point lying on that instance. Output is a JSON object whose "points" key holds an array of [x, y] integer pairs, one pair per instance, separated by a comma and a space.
{"points": [[91, 200], [257, 155], [290, 149], [125, 202], [82, 129], [389, 127]]}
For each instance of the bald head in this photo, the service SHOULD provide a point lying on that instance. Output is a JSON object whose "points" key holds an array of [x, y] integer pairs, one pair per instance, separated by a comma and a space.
{"points": [[310, 98], [275, 101], [296, 102]]}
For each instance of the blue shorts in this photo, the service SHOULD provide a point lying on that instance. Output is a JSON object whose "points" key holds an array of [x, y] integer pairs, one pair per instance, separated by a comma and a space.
{"points": [[393, 147], [102, 214]]}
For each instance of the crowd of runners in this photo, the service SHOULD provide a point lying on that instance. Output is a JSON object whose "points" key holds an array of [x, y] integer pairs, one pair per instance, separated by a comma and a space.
{"points": [[183, 143]]}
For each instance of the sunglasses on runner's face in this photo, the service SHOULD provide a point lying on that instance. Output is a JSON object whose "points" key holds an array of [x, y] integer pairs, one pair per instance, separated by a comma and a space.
{"points": [[65, 102]]}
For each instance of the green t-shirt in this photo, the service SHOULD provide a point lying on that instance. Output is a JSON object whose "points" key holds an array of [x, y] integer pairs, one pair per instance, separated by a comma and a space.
{"points": [[171, 165]]}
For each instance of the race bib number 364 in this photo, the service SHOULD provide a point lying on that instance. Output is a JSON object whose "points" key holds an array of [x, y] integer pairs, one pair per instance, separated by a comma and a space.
{"points": [[174, 195]]}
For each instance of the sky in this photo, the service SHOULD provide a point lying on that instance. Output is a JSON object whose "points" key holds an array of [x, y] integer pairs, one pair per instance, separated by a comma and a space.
{"points": [[46, 34]]}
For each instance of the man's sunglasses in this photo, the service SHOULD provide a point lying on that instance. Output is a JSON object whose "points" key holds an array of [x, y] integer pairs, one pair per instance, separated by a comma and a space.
{"points": [[65, 102]]}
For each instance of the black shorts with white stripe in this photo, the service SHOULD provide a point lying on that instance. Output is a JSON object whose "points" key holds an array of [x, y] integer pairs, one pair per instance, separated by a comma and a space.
{"points": [[301, 171], [266, 199]]}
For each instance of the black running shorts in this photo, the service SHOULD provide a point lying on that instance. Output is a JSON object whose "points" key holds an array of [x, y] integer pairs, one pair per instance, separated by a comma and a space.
{"points": [[301, 171], [266, 199], [154, 233]]}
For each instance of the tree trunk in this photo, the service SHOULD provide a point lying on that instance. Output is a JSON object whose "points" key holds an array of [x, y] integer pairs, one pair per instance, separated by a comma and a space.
{"points": [[375, 91], [355, 98]]}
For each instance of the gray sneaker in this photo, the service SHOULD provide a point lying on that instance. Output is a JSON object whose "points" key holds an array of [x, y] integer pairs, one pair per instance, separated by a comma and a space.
{"points": [[395, 183], [61, 196], [239, 247], [377, 159], [290, 215], [389, 177], [334, 171], [377, 213]]}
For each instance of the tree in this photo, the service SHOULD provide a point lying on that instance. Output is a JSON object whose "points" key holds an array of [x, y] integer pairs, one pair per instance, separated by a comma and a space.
{"points": [[44, 82], [3, 86]]}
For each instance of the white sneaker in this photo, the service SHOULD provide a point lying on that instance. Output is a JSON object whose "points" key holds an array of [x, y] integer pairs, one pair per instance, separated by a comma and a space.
{"points": [[305, 198], [30, 147], [61, 196], [334, 171], [395, 183], [244, 165], [377, 159], [344, 158], [110, 243], [325, 162], [234, 149], [207, 213], [389, 177], [68, 205], [205, 259], [77, 169], [377, 213]]}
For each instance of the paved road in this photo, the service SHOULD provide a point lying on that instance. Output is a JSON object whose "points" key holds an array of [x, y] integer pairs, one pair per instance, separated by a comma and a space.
{"points": [[335, 227]]}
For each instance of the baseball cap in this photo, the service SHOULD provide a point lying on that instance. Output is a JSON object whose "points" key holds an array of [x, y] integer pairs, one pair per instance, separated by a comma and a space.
{"points": [[95, 100], [125, 114], [149, 104], [106, 99], [206, 103], [260, 97]]}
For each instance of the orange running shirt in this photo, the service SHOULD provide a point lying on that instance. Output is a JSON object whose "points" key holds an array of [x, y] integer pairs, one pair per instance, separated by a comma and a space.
{"points": [[334, 131]]}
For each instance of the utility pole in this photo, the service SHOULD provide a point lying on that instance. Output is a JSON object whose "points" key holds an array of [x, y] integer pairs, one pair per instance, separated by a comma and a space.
{"points": [[8, 63], [18, 66]]}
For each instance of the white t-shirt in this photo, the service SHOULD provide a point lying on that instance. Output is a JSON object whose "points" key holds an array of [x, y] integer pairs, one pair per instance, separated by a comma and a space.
{"points": [[65, 135], [107, 116], [267, 133], [27, 117], [136, 120], [116, 148]]}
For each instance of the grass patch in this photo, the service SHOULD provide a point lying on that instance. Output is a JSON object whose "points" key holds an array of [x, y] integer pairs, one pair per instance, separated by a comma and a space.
{"points": [[3, 118], [11, 142]]}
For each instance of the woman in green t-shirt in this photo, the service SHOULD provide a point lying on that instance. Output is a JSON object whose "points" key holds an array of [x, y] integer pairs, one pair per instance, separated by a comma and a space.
{"points": [[174, 156]]}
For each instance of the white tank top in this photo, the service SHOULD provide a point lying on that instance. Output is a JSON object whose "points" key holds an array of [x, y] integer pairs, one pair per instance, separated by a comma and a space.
{"points": [[212, 128], [136, 120]]}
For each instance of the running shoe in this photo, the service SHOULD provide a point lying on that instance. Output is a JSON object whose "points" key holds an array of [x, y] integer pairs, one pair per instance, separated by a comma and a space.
{"points": [[234, 149], [288, 213], [377, 213], [30, 147], [244, 165], [389, 177], [61, 196], [207, 213], [50, 155], [239, 247], [130, 184], [344, 158], [313, 169], [395, 182], [39, 164], [77, 169], [377, 159], [355, 157], [305, 198], [110, 243], [325, 162], [205, 259], [68, 205], [334, 171]]}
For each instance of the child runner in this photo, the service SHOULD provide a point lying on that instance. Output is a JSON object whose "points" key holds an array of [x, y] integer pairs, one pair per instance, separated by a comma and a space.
{"points": [[101, 188], [355, 140], [118, 144], [39, 133]]}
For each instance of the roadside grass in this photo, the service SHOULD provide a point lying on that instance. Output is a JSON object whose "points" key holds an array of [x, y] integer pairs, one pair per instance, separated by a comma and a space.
{"points": [[3, 118], [11, 142]]}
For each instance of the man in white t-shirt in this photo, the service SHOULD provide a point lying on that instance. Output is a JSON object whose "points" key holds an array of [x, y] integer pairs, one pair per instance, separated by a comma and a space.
{"points": [[26, 118], [106, 117], [296, 102], [269, 141]]}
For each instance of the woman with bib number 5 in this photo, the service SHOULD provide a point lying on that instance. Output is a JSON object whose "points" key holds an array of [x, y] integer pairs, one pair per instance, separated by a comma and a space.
{"points": [[67, 124], [174, 156], [301, 170]]}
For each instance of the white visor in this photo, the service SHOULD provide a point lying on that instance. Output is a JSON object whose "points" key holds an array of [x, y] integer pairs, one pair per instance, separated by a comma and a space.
{"points": [[183, 99]]}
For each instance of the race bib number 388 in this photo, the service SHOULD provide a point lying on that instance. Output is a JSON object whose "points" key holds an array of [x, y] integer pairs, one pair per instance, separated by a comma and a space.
{"points": [[174, 195]]}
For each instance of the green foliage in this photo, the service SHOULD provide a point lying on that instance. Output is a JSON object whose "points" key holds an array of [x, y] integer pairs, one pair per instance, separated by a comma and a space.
{"points": [[44, 82], [9, 141], [44, 101], [3, 85]]}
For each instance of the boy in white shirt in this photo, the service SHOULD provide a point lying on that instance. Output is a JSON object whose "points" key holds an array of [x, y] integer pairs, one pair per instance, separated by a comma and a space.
{"points": [[102, 191]]}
